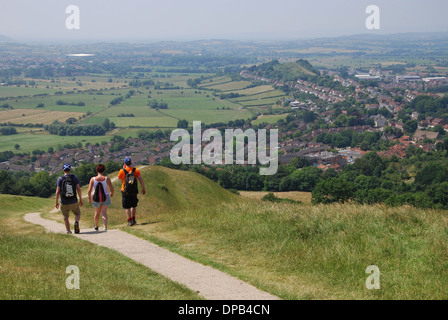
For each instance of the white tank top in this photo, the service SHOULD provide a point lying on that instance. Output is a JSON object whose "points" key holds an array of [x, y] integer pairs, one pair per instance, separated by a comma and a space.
{"points": [[104, 183]]}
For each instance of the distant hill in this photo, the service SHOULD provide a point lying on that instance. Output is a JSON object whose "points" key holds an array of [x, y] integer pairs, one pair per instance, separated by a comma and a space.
{"points": [[5, 38], [289, 71]]}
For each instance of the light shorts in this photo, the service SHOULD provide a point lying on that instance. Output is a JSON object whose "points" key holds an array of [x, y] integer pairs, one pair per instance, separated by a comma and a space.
{"points": [[66, 208], [99, 204]]}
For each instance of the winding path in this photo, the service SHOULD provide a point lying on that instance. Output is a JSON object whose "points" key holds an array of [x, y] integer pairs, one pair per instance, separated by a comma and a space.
{"points": [[206, 281]]}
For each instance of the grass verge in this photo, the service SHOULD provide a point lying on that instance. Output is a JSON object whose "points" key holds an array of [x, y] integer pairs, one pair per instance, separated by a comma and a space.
{"points": [[33, 263]]}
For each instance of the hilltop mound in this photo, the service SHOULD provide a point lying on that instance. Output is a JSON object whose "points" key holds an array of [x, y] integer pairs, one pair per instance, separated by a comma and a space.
{"points": [[289, 71], [169, 190]]}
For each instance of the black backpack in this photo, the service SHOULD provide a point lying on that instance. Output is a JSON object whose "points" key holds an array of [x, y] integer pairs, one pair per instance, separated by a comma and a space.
{"points": [[130, 182], [68, 187], [99, 194]]}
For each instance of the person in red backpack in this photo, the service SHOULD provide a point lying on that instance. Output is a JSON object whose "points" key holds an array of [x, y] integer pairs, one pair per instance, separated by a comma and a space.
{"points": [[103, 190], [129, 189]]}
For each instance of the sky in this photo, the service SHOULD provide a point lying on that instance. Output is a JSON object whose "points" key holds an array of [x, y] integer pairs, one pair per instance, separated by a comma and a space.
{"points": [[156, 20]]}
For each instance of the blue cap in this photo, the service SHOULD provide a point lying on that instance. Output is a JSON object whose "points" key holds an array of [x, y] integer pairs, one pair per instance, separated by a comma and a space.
{"points": [[66, 167], [127, 161]]}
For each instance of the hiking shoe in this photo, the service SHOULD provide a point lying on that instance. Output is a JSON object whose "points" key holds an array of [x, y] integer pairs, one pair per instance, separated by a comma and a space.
{"points": [[96, 228], [69, 232], [76, 227], [133, 222], [129, 223]]}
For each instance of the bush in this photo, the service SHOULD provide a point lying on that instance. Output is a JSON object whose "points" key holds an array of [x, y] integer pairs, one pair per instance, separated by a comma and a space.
{"points": [[272, 198]]}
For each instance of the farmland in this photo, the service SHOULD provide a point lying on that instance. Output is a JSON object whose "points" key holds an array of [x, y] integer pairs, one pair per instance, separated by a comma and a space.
{"points": [[190, 85], [24, 116], [87, 100]]}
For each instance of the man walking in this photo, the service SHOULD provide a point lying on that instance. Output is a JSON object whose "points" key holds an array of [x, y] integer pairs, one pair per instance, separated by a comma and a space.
{"points": [[129, 189], [67, 187]]}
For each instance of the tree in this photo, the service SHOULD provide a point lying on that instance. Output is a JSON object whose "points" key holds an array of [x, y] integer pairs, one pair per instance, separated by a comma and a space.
{"points": [[305, 179], [441, 194], [370, 164], [182, 124], [410, 126], [309, 116], [70, 121], [6, 131], [432, 173], [332, 190], [42, 184], [5, 182], [225, 179], [106, 124]]}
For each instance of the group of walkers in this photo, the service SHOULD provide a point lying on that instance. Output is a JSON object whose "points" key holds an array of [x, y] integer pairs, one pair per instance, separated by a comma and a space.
{"points": [[100, 192]]}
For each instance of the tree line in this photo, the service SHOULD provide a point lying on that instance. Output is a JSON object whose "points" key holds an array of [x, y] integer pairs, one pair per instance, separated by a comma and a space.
{"points": [[420, 179], [43, 184]]}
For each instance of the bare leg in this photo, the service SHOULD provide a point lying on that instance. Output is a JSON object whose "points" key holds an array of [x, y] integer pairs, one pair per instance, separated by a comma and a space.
{"points": [[67, 224], [97, 215], [104, 214], [133, 211]]}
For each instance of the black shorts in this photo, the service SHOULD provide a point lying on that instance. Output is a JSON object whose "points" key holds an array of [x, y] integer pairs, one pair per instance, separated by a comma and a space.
{"points": [[129, 201]]}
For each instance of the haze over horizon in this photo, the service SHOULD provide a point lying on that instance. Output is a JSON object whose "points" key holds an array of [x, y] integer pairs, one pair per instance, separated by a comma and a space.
{"points": [[136, 20]]}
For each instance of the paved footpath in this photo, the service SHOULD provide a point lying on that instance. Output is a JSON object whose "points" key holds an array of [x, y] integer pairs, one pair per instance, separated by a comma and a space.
{"points": [[206, 281]]}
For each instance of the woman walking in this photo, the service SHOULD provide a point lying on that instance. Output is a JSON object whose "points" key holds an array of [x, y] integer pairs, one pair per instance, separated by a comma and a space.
{"points": [[103, 190]]}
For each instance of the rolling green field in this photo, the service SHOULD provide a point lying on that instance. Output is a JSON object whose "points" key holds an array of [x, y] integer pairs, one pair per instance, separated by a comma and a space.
{"points": [[269, 119], [29, 141], [40, 104]]}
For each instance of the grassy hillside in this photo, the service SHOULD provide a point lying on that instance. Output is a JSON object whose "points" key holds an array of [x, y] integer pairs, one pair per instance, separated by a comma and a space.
{"points": [[295, 251], [289, 71], [315, 252], [33, 263], [291, 250], [170, 191]]}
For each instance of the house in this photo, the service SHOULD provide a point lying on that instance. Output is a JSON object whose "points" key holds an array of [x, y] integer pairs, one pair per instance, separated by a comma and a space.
{"points": [[420, 135], [398, 150], [380, 120], [436, 121]]}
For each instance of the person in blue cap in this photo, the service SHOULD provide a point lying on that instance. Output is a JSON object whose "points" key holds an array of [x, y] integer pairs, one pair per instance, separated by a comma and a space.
{"points": [[129, 189], [68, 189]]}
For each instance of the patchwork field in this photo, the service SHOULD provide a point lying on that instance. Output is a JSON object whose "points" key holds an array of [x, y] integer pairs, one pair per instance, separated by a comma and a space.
{"points": [[24, 116], [269, 118], [230, 86], [41, 140], [88, 99]]}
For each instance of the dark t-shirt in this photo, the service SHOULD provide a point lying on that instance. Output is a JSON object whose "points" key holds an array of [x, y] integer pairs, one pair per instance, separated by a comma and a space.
{"points": [[70, 200]]}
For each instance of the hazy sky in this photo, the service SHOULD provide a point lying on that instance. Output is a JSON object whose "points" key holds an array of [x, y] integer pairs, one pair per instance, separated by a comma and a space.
{"points": [[25, 20]]}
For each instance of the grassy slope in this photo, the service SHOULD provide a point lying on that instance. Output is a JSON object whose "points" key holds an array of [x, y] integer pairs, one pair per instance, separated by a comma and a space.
{"points": [[33, 263], [293, 251], [296, 251]]}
